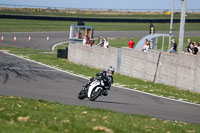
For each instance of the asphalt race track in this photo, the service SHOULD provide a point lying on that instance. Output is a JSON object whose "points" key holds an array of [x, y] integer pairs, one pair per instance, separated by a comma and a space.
{"points": [[19, 77], [39, 39]]}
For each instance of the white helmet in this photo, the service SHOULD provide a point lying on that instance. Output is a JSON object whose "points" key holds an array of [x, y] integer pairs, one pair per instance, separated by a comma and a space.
{"points": [[111, 70]]}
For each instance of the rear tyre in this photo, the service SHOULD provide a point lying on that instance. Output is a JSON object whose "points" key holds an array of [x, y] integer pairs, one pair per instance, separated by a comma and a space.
{"points": [[95, 94], [82, 94]]}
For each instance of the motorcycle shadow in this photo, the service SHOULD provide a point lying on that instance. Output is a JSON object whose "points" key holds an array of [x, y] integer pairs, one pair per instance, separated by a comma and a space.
{"points": [[121, 103]]}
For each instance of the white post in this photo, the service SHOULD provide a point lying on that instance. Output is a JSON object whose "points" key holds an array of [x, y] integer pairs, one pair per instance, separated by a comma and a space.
{"points": [[163, 43], [171, 25], [182, 26]]}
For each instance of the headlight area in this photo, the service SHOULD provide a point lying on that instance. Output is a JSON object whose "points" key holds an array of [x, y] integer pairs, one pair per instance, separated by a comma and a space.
{"points": [[102, 83]]}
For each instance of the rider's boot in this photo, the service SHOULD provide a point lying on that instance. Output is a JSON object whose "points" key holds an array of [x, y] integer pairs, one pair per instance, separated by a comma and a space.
{"points": [[105, 93]]}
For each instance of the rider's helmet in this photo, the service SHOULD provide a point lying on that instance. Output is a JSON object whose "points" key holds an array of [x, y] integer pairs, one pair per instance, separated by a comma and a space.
{"points": [[111, 70]]}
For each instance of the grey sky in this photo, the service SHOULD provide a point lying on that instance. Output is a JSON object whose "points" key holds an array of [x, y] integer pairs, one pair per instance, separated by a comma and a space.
{"points": [[106, 4]]}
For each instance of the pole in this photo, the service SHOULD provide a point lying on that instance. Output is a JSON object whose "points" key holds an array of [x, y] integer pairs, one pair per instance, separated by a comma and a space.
{"points": [[171, 25], [182, 26]]}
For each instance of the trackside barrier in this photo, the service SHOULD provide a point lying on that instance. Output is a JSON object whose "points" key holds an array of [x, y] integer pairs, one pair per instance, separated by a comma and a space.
{"points": [[111, 20], [181, 70], [94, 56]]}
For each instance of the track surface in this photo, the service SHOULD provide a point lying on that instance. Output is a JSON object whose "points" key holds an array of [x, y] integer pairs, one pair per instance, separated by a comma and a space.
{"points": [[19, 77], [38, 39]]}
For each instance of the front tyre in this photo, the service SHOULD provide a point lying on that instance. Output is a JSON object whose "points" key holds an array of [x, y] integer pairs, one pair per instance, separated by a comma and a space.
{"points": [[96, 92], [82, 94]]}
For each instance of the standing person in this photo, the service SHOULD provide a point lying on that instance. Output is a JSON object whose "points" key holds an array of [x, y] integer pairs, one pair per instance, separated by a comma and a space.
{"points": [[106, 43], [131, 43], [174, 46]]}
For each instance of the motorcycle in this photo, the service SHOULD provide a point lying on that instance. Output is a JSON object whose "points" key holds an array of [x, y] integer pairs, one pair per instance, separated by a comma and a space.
{"points": [[93, 89]]}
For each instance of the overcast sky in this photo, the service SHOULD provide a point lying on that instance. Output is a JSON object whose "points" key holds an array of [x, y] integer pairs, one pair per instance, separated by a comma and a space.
{"points": [[106, 4]]}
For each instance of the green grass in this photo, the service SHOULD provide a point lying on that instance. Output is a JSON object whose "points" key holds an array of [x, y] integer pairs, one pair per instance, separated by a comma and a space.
{"points": [[21, 115], [62, 46], [17, 25], [146, 86]]}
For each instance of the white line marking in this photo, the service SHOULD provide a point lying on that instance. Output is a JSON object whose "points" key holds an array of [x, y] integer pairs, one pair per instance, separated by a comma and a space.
{"points": [[114, 86], [12, 68], [53, 48]]}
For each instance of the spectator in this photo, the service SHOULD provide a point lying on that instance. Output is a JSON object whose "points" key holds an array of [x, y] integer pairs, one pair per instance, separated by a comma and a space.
{"points": [[101, 42], [174, 46], [88, 40], [91, 42], [78, 35], [195, 48], [196, 44], [188, 46], [131, 43], [145, 46], [84, 39], [106, 43]]}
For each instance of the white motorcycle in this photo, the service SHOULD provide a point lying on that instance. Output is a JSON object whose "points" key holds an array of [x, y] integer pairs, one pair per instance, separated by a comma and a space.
{"points": [[93, 89]]}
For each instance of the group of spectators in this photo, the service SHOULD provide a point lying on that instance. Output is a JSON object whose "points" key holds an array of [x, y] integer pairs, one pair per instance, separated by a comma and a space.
{"points": [[144, 48], [88, 41], [103, 42], [192, 47]]}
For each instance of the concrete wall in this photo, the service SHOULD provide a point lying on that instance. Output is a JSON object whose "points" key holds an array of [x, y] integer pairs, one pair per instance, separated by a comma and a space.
{"points": [[94, 56], [197, 75], [181, 70], [186, 68], [139, 64], [167, 69]]}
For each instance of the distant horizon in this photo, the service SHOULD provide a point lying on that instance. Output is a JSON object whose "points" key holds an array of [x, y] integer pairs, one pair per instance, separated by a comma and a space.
{"points": [[105, 4], [46, 7]]}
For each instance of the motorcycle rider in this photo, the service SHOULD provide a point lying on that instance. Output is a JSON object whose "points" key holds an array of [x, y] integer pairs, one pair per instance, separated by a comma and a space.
{"points": [[108, 78]]}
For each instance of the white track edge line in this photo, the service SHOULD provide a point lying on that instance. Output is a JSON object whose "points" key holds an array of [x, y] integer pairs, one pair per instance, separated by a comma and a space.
{"points": [[113, 85], [53, 48]]}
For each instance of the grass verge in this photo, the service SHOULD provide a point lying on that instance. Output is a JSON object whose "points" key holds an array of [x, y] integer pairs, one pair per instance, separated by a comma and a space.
{"points": [[18, 25], [19, 115], [146, 86]]}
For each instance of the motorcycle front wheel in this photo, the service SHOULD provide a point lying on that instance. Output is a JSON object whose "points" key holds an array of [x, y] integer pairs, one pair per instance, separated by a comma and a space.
{"points": [[95, 94], [82, 94]]}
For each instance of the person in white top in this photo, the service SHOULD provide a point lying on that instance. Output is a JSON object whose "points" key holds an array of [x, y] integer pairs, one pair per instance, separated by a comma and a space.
{"points": [[85, 39], [106, 43], [145, 46]]}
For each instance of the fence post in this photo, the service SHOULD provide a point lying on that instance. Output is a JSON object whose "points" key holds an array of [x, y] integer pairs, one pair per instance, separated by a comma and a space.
{"points": [[119, 60]]}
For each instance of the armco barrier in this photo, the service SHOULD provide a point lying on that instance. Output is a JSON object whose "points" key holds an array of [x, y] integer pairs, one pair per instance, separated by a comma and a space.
{"points": [[113, 20], [181, 70]]}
